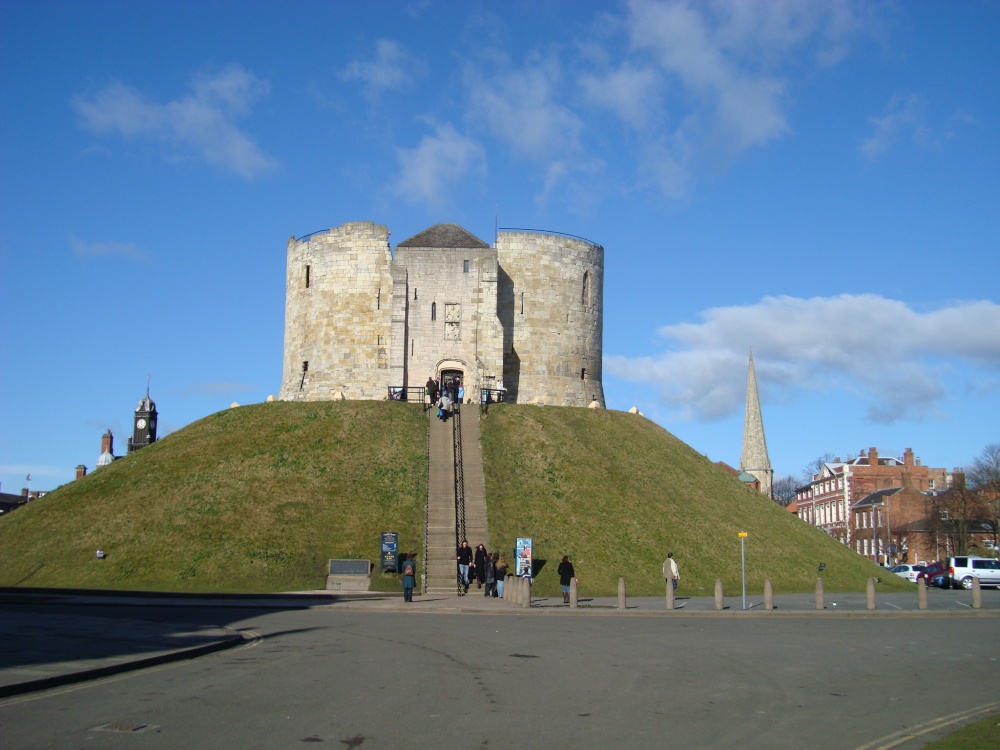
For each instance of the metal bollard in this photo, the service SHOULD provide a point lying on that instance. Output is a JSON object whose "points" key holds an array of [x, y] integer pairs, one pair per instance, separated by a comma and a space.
{"points": [[921, 594], [670, 594], [977, 594], [870, 594], [572, 594], [621, 593], [819, 593], [768, 595], [718, 594]]}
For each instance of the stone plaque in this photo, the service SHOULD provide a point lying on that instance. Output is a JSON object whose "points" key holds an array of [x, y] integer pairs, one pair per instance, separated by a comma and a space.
{"points": [[350, 567]]}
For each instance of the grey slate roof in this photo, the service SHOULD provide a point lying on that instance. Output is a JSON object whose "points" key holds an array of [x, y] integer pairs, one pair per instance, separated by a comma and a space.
{"points": [[875, 497], [444, 235]]}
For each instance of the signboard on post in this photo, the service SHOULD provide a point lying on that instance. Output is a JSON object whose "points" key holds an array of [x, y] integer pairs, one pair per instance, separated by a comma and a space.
{"points": [[522, 556], [390, 551]]}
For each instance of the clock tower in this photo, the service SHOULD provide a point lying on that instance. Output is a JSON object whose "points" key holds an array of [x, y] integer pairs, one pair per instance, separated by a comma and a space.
{"points": [[144, 431]]}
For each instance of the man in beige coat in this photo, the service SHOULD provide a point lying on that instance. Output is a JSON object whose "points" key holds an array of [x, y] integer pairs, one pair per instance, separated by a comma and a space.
{"points": [[670, 572]]}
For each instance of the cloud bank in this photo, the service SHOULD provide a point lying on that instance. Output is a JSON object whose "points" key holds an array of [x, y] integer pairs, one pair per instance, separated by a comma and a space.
{"points": [[900, 361], [202, 123]]}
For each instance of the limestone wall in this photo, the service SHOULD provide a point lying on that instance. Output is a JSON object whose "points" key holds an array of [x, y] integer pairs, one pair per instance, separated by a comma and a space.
{"points": [[338, 294], [445, 316], [551, 306]]}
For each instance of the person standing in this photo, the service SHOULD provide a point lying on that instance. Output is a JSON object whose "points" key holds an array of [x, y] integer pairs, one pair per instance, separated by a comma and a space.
{"points": [[432, 390], [444, 406], [464, 558], [480, 564], [670, 572], [491, 576], [501, 575], [566, 575], [409, 577]]}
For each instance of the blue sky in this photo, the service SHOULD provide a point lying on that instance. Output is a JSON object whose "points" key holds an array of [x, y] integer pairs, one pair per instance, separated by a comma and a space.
{"points": [[817, 181]]}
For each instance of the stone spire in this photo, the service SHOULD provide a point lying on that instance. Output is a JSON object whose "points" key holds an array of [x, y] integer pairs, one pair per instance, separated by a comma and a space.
{"points": [[754, 459]]}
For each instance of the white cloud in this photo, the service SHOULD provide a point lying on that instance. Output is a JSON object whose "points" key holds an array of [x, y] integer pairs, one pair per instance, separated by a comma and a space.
{"points": [[631, 92], [520, 108], [902, 115], [128, 250], [899, 361], [203, 122], [393, 68], [440, 162]]}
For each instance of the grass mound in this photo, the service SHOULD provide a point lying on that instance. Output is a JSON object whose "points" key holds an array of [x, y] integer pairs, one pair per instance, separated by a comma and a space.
{"points": [[256, 498], [616, 492]]}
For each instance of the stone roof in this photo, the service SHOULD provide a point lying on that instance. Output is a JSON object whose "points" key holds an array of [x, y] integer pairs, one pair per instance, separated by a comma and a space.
{"points": [[444, 235]]}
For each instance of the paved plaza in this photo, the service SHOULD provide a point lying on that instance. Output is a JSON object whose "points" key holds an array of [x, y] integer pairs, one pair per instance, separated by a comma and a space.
{"points": [[81, 670]]}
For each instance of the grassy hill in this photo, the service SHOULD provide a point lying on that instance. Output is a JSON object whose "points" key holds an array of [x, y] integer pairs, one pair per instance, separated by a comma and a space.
{"points": [[616, 492], [250, 499], [260, 497]]}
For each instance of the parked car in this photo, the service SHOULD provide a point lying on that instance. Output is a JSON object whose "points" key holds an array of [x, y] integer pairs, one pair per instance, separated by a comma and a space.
{"points": [[932, 570], [963, 569], [909, 572]]}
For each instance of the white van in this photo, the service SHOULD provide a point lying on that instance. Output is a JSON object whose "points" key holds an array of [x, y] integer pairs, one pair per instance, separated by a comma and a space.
{"points": [[963, 569]]}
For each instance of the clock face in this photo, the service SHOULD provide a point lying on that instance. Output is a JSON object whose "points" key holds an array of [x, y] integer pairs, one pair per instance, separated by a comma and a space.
{"points": [[141, 424]]}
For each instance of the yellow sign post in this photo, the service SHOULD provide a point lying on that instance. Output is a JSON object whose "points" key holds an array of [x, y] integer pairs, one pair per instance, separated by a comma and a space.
{"points": [[743, 565]]}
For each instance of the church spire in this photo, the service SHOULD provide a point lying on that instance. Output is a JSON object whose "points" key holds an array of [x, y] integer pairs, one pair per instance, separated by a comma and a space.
{"points": [[754, 459]]}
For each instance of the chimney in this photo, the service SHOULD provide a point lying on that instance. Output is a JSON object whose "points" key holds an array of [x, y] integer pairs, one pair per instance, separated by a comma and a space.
{"points": [[108, 443], [907, 480], [81, 471], [908, 457], [872, 457], [24, 492]]}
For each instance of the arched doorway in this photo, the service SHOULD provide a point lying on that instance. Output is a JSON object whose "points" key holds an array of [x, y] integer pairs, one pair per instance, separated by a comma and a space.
{"points": [[451, 369]]}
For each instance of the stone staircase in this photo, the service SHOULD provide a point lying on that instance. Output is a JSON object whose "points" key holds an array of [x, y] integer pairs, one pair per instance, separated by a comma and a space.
{"points": [[443, 520]]}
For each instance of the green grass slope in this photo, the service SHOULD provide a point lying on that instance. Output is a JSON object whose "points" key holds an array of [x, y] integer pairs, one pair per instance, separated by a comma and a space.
{"points": [[256, 498], [616, 492], [260, 497]]}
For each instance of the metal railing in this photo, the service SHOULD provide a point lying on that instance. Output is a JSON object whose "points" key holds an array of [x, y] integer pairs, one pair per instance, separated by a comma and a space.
{"points": [[492, 395], [456, 437], [549, 231], [406, 393]]}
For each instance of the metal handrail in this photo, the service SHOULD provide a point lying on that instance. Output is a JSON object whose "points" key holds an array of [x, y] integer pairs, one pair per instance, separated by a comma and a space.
{"points": [[427, 512], [406, 393], [549, 231], [312, 234], [456, 433]]}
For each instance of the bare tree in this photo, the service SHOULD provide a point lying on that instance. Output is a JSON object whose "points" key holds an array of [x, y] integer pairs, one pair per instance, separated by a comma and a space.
{"points": [[984, 471], [784, 490], [984, 478], [957, 511], [816, 466]]}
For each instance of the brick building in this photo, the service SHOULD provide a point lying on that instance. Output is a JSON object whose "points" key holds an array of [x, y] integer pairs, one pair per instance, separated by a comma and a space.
{"points": [[827, 500]]}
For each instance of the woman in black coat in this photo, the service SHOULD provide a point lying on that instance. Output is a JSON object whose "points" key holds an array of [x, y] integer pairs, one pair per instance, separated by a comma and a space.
{"points": [[480, 562], [566, 573]]}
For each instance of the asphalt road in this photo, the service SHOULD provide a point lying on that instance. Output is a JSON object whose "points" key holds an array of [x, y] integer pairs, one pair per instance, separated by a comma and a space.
{"points": [[392, 679]]}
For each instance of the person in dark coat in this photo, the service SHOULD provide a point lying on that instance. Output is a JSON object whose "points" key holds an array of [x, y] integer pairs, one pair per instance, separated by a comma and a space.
{"points": [[432, 390], [480, 563], [491, 575], [566, 574]]}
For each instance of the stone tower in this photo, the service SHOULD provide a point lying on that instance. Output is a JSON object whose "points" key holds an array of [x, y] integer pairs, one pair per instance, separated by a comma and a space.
{"points": [[338, 314], [754, 459], [551, 304], [360, 321]]}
